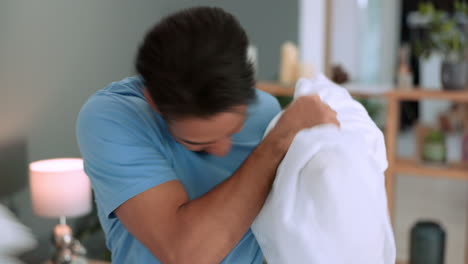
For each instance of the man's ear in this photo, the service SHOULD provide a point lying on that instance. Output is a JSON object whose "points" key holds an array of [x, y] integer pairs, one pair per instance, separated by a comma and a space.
{"points": [[149, 100]]}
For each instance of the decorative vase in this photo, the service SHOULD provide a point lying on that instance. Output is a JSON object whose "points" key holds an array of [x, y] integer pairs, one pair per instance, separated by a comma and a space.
{"points": [[429, 71], [430, 79], [453, 141], [465, 148], [427, 245], [454, 75]]}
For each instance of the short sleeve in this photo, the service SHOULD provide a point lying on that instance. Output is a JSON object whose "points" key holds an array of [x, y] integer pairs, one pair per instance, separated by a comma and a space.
{"points": [[122, 155]]}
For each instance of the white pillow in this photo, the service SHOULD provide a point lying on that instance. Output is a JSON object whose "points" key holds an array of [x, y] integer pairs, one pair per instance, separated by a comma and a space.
{"points": [[328, 204], [15, 238]]}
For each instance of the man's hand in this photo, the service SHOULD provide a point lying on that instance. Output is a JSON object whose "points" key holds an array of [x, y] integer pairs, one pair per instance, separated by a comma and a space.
{"points": [[305, 112]]}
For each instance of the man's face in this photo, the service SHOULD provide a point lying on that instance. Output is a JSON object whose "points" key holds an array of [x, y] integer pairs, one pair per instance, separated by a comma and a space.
{"points": [[211, 135]]}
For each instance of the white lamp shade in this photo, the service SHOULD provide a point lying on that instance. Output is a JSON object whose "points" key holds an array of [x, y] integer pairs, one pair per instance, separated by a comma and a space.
{"points": [[59, 187]]}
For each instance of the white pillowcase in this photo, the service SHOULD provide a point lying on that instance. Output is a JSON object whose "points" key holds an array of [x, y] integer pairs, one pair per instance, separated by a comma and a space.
{"points": [[15, 238], [328, 203]]}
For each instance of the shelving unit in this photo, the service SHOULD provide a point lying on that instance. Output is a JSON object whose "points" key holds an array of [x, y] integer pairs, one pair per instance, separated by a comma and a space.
{"points": [[414, 167], [420, 93], [276, 89], [397, 165], [401, 166]]}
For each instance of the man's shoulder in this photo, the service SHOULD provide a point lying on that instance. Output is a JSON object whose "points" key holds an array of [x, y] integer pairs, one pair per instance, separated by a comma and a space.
{"points": [[260, 113], [126, 89], [119, 107], [266, 104], [121, 98]]}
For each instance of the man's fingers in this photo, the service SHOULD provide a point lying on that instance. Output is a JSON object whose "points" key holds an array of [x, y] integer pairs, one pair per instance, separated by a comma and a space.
{"points": [[333, 116], [337, 123]]}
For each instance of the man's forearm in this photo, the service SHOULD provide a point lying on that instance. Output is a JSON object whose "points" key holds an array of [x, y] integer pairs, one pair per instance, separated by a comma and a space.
{"points": [[211, 225]]}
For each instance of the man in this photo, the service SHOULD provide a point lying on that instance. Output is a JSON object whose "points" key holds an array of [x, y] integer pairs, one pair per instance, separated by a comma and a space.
{"points": [[176, 156]]}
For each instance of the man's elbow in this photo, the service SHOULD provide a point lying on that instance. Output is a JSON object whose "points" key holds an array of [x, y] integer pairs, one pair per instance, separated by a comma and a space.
{"points": [[182, 251]]}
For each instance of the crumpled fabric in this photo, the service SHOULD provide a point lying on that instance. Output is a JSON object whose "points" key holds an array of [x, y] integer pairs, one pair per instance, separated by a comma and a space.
{"points": [[328, 202]]}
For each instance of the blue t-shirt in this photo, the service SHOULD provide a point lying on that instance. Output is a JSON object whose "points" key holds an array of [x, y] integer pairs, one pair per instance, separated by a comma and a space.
{"points": [[127, 149]]}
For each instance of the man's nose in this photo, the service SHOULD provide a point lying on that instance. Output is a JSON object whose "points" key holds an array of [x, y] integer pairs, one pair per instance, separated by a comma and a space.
{"points": [[220, 148]]}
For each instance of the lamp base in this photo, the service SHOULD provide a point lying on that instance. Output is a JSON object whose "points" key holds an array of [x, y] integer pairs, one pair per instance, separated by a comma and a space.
{"points": [[68, 249], [90, 261]]}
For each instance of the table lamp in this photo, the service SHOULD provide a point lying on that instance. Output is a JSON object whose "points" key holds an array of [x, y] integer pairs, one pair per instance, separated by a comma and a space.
{"points": [[59, 189]]}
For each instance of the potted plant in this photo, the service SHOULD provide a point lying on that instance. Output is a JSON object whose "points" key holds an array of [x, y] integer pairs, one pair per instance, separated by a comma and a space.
{"points": [[434, 149], [437, 32]]}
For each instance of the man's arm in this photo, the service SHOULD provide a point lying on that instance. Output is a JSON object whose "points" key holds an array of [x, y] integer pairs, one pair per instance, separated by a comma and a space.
{"points": [[205, 230]]}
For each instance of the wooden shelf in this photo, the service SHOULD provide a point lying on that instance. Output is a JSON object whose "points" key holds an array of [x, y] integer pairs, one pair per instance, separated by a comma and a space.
{"points": [[453, 171], [365, 95], [275, 89], [421, 93], [417, 93]]}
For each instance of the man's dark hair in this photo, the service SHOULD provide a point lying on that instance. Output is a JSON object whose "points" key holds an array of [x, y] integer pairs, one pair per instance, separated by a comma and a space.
{"points": [[194, 64]]}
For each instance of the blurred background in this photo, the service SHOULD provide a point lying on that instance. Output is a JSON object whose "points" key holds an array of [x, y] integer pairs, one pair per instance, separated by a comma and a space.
{"points": [[55, 53]]}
